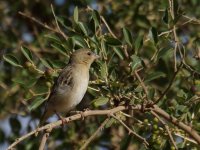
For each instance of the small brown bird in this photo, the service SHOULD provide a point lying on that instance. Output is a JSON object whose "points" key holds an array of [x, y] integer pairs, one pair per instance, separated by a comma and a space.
{"points": [[71, 84]]}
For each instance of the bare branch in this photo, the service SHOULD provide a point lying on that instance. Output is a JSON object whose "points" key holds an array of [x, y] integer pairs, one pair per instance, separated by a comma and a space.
{"points": [[131, 131], [69, 119], [38, 22], [142, 84], [170, 84], [177, 123], [44, 140], [107, 26], [94, 134], [167, 129], [186, 138], [153, 108], [58, 27], [43, 24]]}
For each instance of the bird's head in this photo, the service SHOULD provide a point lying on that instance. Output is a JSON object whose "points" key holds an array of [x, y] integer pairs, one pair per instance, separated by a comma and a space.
{"points": [[83, 56]]}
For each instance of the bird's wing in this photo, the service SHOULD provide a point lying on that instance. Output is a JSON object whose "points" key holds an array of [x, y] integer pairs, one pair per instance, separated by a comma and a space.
{"points": [[63, 82]]}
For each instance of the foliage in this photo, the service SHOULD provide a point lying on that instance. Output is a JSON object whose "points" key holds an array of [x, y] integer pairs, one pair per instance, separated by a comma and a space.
{"points": [[143, 37]]}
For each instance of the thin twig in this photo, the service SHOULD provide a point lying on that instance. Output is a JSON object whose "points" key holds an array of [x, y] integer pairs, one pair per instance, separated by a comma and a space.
{"points": [[38, 22], [142, 84], [85, 114], [42, 24], [189, 130], [43, 141], [175, 50], [131, 131], [167, 129], [94, 134], [171, 8], [58, 27], [185, 138], [161, 34], [188, 67], [70, 119], [107, 26], [193, 19], [170, 84], [104, 21]]}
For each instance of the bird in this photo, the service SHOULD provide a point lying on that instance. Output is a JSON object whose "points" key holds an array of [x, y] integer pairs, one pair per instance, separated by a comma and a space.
{"points": [[71, 85]]}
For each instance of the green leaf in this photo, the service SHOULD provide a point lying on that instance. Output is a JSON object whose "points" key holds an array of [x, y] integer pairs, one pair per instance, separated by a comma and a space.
{"points": [[12, 60], [58, 64], [27, 53], [138, 43], [69, 43], [110, 122], [46, 63], [83, 28], [127, 36], [25, 83], [151, 93], [100, 101], [31, 83], [60, 48], [154, 75], [135, 63], [37, 102], [112, 41], [104, 71], [65, 22], [76, 14], [104, 48], [19, 81], [142, 21], [54, 38], [79, 40], [164, 52], [165, 17], [176, 8], [96, 18], [154, 34], [118, 52]]}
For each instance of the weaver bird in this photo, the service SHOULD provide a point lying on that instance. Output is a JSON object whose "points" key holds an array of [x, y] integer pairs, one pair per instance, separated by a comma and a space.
{"points": [[71, 84]]}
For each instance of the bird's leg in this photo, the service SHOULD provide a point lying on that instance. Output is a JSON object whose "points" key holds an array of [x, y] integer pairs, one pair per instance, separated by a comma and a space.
{"points": [[60, 118], [75, 112], [80, 112], [86, 109]]}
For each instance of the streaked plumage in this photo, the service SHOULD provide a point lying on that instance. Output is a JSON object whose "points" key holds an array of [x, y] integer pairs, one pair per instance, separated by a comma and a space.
{"points": [[71, 84]]}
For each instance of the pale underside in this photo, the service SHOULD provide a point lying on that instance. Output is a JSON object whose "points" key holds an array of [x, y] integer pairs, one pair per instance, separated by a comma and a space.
{"points": [[68, 91]]}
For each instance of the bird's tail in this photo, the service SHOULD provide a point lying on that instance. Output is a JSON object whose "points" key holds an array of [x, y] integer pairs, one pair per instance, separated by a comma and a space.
{"points": [[44, 117]]}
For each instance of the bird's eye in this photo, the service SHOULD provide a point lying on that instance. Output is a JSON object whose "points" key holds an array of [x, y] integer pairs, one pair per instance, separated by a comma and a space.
{"points": [[89, 53]]}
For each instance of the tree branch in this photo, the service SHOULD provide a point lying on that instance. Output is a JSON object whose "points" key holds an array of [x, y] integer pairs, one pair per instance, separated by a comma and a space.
{"points": [[142, 84], [70, 119], [108, 112], [170, 84], [44, 140], [58, 31], [94, 134], [167, 129], [131, 131], [58, 27], [177, 123]]}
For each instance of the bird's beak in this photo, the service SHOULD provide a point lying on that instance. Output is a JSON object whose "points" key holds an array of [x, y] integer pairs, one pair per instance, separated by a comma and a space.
{"points": [[96, 56]]}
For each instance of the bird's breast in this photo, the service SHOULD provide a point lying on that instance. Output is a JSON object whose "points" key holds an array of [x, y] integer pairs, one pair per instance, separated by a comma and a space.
{"points": [[79, 88]]}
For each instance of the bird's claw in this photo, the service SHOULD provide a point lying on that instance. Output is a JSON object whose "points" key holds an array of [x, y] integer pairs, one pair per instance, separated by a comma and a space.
{"points": [[61, 118]]}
